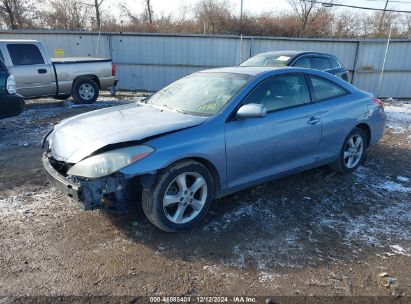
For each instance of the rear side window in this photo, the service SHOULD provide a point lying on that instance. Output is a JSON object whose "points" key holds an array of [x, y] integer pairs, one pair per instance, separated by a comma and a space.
{"points": [[320, 63], [303, 63], [334, 63], [25, 54], [1, 56], [325, 89]]}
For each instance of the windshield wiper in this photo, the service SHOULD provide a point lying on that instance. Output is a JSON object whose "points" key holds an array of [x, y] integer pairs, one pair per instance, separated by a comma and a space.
{"points": [[177, 110]]}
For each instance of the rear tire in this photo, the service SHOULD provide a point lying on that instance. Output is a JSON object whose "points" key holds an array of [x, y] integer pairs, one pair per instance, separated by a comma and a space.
{"points": [[353, 152], [85, 91], [180, 198]]}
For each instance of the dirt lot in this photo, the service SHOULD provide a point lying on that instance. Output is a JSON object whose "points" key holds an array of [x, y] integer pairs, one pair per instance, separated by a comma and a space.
{"points": [[316, 233]]}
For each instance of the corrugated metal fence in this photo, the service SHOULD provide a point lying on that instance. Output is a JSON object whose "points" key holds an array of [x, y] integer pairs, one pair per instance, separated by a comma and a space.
{"points": [[151, 61]]}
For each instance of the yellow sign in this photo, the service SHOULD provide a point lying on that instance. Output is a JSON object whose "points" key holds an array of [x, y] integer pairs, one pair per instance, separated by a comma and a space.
{"points": [[58, 52]]}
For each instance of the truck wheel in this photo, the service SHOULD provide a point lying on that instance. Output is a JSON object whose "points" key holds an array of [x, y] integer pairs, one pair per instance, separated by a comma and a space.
{"points": [[85, 91], [180, 197]]}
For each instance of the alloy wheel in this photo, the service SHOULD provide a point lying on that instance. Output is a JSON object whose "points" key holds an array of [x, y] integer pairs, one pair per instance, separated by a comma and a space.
{"points": [[185, 197], [353, 151]]}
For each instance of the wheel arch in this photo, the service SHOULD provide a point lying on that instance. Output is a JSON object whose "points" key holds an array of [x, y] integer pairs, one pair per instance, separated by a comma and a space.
{"points": [[367, 130], [88, 76], [205, 162]]}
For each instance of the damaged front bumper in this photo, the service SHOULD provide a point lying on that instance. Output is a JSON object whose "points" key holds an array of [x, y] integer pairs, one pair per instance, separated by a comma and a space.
{"points": [[107, 192]]}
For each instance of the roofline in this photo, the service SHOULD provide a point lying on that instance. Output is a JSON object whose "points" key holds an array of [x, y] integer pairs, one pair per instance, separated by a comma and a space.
{"points": [[297, 53], [67, 32], [18, 40], [241, 70]]}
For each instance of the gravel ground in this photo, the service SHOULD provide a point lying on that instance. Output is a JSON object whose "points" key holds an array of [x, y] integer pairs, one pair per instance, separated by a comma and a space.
{"points": [[316, 233]]}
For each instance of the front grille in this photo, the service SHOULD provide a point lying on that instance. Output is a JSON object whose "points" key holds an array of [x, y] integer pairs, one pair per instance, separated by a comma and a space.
{"points": [[60, 166]]}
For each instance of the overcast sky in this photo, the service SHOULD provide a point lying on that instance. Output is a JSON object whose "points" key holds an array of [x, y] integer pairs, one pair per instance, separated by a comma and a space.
{"points": [[251, 6]]}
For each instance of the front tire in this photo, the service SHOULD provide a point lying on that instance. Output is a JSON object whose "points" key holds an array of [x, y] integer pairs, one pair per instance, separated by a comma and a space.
{"points": [[85, 91], [180, 198], [353, 152]]}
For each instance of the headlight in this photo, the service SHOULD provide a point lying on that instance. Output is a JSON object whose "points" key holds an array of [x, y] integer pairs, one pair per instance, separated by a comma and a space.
{"points": [[109, 162]]}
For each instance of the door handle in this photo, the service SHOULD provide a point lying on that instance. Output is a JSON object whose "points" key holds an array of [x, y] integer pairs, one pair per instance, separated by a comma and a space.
{"points": [[42, 71], [313, 121]]}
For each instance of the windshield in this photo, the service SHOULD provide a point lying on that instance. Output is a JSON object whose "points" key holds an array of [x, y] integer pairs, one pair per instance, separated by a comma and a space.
{"points": [[203, 93], [267, 61]]}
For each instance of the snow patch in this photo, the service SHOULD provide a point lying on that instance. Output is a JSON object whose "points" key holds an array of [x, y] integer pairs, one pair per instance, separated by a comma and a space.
{"points": [[403, 179], [255, 211], [27, 203], [391, 186], [399, 117], [399, 250], [267, 277]]}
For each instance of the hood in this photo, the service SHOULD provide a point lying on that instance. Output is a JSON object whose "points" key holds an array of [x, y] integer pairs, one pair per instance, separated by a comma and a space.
{"points": [[77, 137]]}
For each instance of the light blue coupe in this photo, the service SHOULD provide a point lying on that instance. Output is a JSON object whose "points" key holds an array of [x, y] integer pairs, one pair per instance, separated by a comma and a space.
{"points": [[210, 134]]}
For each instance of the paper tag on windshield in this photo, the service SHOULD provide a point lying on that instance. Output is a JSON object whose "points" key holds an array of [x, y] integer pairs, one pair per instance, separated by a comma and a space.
{"points": [[283, 58]]}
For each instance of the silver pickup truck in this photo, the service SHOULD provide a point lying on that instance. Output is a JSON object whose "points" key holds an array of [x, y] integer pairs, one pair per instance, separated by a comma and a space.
{"points": [[38, 76]]}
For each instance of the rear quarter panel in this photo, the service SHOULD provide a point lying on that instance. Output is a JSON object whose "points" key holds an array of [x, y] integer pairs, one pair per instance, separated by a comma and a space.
{"points": [[341, 115], [68, 71]]}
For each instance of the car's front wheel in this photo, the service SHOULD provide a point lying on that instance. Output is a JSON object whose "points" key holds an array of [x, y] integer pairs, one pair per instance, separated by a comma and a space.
{"points": [[352, 153], [180, 198]]}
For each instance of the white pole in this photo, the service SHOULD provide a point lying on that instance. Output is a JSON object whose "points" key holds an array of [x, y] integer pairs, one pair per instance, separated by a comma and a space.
{"points": [[98, 39], [383, 63], [241, 49]]}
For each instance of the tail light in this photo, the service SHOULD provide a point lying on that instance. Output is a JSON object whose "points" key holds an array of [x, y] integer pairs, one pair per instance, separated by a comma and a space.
{"points": [[11, 85], [113, 69], [378, 102]]}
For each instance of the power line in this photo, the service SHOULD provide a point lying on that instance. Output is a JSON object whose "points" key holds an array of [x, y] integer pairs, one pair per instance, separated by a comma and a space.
{"points": [[330, 4]]}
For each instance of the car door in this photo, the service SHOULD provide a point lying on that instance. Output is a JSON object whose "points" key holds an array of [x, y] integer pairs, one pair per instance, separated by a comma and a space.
{"points": [[338, 114], [32, 72], [285, 139]]}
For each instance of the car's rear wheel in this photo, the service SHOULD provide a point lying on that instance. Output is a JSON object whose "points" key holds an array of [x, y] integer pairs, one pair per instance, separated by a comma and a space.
{"points": [[85, 91], [180, 198], [353, 152]]}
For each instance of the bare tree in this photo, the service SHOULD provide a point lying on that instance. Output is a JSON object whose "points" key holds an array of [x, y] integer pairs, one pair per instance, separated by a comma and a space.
{"points": [[307, 12], [149, 11], [66, 14], [97, 8], [213, 13], [406, 25], [96, 5], [18, 14]]}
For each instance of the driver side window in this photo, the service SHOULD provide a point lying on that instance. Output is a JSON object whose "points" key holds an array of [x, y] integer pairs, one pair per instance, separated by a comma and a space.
{"points": [[280, 92]]}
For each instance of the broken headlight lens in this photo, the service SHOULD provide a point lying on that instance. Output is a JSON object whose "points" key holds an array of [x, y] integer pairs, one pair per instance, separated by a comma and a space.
{"points": [[109, 162]]}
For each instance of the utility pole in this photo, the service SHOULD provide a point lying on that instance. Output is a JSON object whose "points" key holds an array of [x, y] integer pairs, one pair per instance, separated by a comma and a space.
{"points": [[382, 17]]}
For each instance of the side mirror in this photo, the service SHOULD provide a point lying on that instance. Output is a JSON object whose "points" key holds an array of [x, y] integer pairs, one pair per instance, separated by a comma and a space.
{"points": [[251, 110]]}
